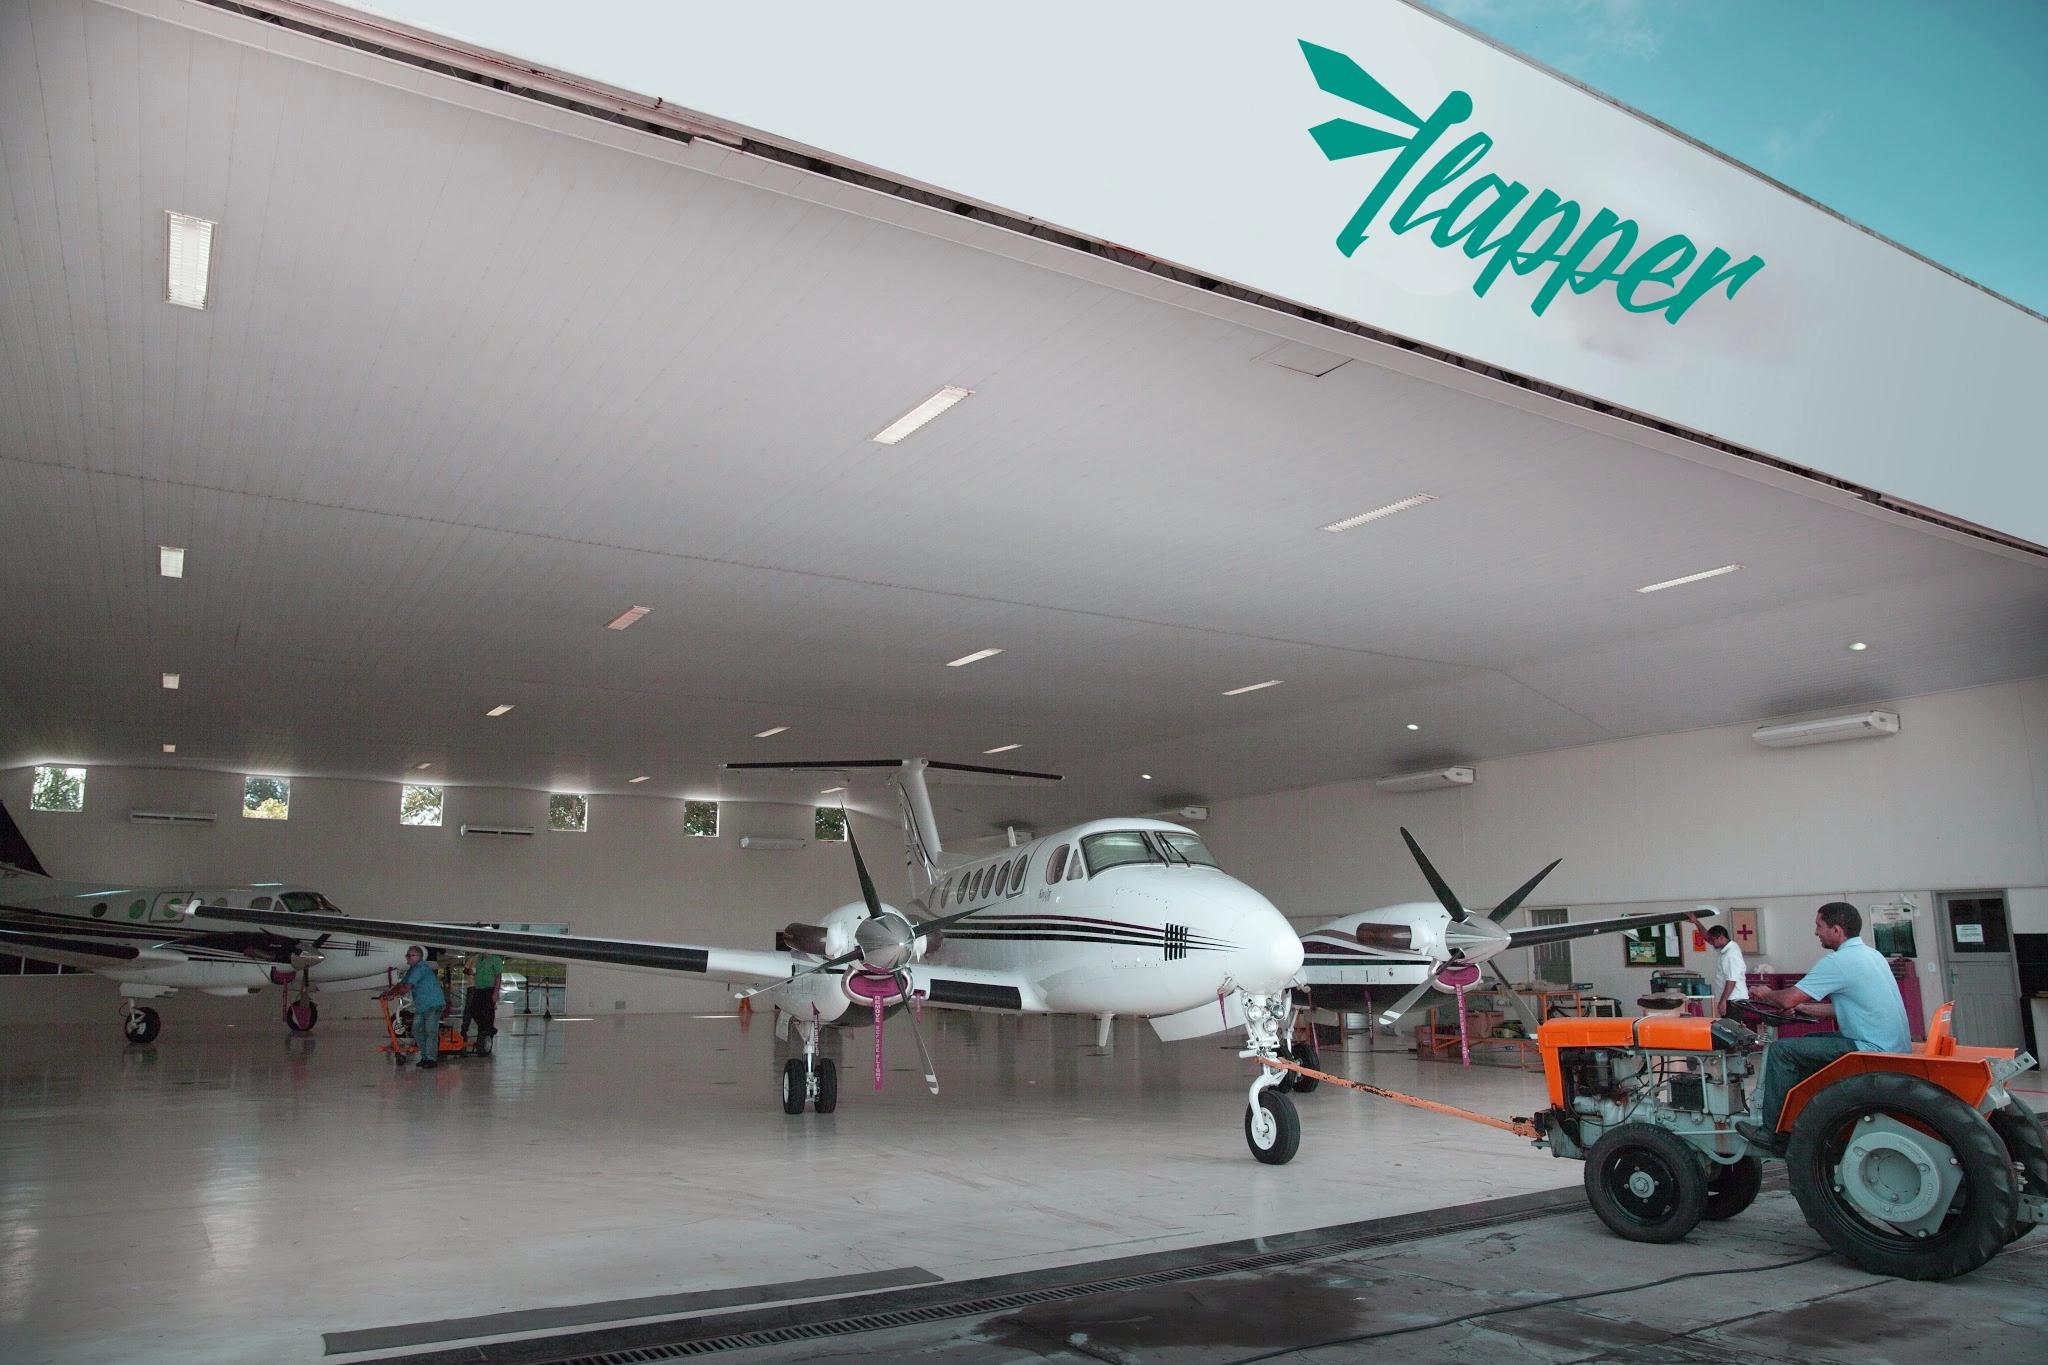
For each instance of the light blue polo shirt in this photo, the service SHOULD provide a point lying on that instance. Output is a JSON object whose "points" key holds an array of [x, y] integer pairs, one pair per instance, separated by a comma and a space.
{"points": [[1858, 982], [426, 987]]}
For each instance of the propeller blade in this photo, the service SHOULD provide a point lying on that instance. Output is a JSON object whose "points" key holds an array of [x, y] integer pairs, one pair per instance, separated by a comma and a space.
{"points": [[867, 883], [1392, 1014], [1437, 884], [1514, 996], [1514, 902], [931, 1074], [826, 965]]}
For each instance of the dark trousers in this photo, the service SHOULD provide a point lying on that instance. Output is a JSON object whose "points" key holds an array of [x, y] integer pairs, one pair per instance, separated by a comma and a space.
{"points": [[480, 1007], [1788, 1061]]}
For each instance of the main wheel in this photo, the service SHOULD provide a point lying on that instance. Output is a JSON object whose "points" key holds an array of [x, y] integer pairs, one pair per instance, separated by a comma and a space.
{"points": [[2019, 1128], [1310, 1055], [143, 1025], [828, 1086], [1288, 1079], [1273, 1129], [301, 1015], [793, 1086], [1901, 1177], [1731, 1189], [1645, 1183]]}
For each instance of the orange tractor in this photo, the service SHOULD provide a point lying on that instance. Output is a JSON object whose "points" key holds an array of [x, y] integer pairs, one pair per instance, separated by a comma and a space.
{"points": [[1919, 1164]]}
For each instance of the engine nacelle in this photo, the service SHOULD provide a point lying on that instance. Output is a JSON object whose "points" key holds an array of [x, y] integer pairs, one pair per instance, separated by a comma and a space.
{"points": [[1416, 928], [838, 933]]}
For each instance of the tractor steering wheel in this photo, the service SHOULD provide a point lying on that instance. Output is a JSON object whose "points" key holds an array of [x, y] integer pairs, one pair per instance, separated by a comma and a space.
{"points": [[1755, 1014]]}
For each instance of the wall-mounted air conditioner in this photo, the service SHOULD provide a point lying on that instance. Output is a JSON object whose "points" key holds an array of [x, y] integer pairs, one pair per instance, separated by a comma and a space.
{"points": [[1828, 729], [1433, 780], [499, 831], [171, 817], [769, 841]]}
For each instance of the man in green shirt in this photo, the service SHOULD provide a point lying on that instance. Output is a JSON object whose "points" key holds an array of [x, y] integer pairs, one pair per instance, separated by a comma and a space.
{"points": [[481, 1005]]}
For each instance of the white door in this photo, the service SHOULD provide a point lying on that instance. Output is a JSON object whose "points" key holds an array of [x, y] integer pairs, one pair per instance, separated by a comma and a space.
{"points": [[1982, 975]]}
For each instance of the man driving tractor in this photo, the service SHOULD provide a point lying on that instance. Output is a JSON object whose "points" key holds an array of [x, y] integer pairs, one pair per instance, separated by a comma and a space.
{"points": [[1852, 985]]}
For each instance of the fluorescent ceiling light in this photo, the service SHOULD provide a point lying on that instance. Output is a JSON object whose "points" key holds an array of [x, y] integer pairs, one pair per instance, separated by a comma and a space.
{"points": [[171, 681], [421, 767], [1146, 776], [170, 561], [1254, 687], [1689, 578], [627, 618], [976, 657], [1002, 748], [1413, 726], [642, 778], [1363, 517], [188, 259], [770, 732], [170, 748], [919, 415], [829, 790], [499, 710], [1858, 647]]}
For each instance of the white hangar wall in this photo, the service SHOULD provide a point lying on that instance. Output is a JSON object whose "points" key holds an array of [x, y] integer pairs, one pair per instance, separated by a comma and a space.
{"points": [[1957, 801], [632, 874]]}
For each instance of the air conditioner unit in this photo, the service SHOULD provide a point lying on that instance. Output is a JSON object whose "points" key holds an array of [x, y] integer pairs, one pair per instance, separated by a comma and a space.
{"points": [[1193, 812], [769, 841], [171, 817], [1862, 725], [1433, 780], [499, 831]]}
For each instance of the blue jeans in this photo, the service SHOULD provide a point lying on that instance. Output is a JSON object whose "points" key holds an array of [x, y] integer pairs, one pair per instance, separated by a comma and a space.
{"points": [[426, 1031], [1788, 1061]]}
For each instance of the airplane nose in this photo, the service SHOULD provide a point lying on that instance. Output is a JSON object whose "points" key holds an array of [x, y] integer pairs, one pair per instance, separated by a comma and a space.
{"points": [[1272, 950]]}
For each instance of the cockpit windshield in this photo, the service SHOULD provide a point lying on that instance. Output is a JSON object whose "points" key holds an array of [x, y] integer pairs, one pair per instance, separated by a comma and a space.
{"points": [[1190, 847], [308, 903], [1117, 847]]}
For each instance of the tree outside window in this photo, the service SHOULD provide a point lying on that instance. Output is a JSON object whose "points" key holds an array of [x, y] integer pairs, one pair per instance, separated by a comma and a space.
{"points": [[59, 789], [419, 805], [267, 798], [701, 818], [829, 824], [568, 814]]}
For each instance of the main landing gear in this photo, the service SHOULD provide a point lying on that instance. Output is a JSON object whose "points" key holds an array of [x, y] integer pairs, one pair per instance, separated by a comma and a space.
{"points": [[810, 1078], [141, 1023], [300, 1015], [1272, 1128]]}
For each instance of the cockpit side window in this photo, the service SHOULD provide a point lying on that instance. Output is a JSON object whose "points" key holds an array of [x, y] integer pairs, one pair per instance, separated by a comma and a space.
{"points": [[1056, 865], [308, 903], [1190, 847], [1114, 848], [1077, 867]]}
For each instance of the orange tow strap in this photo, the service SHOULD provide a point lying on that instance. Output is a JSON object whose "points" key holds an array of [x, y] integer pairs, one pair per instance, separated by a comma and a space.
{"points": [[1519, 1127]]}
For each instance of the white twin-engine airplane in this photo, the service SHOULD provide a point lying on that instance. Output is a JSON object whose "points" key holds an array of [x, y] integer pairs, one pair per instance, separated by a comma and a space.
{"points": [[1125, 916]]}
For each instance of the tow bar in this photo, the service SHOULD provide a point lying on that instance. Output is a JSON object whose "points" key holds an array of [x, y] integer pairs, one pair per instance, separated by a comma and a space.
{"points": [[1519, 1127]]}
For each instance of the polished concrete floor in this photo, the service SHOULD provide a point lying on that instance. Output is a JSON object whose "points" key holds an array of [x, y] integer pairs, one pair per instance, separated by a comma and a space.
{"points": [[233, 1194]]}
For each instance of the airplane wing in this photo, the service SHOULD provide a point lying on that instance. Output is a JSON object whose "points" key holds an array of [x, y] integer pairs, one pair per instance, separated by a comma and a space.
{"points": [[69, 950], [733, 965], [1558, 933], [971, 988]]}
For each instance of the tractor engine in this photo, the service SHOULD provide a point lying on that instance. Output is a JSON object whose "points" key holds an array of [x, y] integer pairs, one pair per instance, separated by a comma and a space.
{"points": [[1687, 1075]]}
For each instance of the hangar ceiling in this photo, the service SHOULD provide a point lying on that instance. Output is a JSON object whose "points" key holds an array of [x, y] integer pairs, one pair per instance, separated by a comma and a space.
{"points": [[479, 374]]}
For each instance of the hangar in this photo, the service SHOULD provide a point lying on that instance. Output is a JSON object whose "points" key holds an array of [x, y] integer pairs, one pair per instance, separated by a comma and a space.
{"points": [[437, 443]]}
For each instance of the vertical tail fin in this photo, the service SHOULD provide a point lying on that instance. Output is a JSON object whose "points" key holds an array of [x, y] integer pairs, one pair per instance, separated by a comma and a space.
{"points": [[920, 829], [14, 849]]}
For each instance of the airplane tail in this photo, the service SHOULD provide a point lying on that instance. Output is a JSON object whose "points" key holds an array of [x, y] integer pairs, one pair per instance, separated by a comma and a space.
{"points": [[922, 847], [14, 849]]}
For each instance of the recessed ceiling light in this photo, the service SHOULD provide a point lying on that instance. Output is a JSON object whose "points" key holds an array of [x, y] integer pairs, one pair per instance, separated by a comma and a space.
{"points": [[1689, 578], [829, 790], [499, 710], [919, 415], [626, 618], [171, 681], [170, 561], [976, 657], [1858, 647], [642, 778], [188, 259], [1146, 776], [1413, 726], [1002, 748], [770, 732], [421, 767], [170, 748], [1253, 687], [1363, 517]]}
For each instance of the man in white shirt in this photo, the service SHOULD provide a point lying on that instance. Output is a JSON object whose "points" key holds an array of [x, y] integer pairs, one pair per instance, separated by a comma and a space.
{"points": [[1731, 972]]}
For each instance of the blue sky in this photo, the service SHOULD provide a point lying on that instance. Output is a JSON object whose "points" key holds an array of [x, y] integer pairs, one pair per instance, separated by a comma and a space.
{"points": [[1920, 119]]}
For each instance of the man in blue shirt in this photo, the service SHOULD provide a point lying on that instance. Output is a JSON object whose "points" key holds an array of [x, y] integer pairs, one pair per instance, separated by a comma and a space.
{"points": [[1852, 985], [428, 1002]]}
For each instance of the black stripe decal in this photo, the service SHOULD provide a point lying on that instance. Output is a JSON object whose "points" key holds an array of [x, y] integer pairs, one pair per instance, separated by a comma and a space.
{"points": [[975, 994], [987, 936]]}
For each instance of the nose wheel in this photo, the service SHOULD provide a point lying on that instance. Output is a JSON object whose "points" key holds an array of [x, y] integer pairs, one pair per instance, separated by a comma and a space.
{"points": [[1272, 1128], [141, 1023], [301, 1015]]}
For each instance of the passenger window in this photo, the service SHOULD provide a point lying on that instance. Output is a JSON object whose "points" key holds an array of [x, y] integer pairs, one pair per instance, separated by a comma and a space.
{"points": [[1056, 865], [945, 889], [1017, 871], [974, 887], [995, 878], [260, 903]]}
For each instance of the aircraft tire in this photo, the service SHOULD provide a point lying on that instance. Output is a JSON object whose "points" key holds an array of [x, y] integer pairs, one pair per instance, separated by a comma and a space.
{"points": [[300, 1016], [151, 1024], [1282, 1134], [793, 1086], [828, 1086], [1288, 1079], [1309, 1055]]}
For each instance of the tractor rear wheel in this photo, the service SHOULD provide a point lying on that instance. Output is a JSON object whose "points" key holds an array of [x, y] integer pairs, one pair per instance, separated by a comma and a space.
{"points": [[1901, 1177], [1645, 1183], [2019, 1128]]}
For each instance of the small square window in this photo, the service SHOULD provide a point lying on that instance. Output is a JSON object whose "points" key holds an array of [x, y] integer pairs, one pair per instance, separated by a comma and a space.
{"points": [[701, 818], [60, 789], [830, 825], [419, 805], [568, 814], [267, 798]]}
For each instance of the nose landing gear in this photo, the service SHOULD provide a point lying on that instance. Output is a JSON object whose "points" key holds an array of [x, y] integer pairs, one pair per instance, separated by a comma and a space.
{"points": [[141, 1023], [1272, 1128]]}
